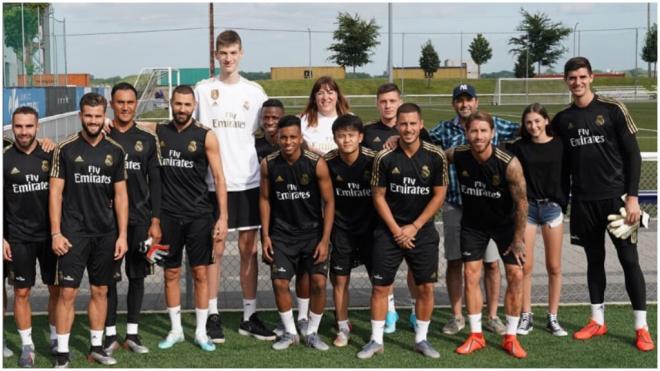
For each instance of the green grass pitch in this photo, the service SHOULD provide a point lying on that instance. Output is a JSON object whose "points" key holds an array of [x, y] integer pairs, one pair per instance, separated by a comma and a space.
{"points": [[614, 350]]}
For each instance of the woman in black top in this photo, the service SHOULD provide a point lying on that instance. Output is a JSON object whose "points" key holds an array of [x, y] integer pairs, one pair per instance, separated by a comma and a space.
{"points": [[542, 159]]}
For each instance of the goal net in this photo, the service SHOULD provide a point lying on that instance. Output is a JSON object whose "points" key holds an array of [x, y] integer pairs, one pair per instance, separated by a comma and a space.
{"points": [[514, 91]]}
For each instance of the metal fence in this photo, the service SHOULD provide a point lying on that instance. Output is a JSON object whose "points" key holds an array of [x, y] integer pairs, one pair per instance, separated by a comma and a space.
{"points": [[573, 261]]}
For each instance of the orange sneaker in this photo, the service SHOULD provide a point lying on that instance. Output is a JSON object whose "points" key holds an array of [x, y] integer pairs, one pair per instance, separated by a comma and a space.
{"points": [[590, 330], [513, 347], [473, 343], [644, 341]]}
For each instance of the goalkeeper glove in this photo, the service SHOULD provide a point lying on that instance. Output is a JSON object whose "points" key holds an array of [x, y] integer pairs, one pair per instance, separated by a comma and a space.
{"points": [[620, 229], [154, 253]]}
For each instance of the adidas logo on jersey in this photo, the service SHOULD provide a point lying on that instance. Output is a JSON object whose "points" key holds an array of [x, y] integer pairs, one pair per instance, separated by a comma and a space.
{"points": [[339, 178], [377, 140], [396, 170], [14, 171], [465, 173], [279, 179], [79, 159], [570, 125]]}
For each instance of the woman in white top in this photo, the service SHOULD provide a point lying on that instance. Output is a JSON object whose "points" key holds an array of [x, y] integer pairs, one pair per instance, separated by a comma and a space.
{"points": [[325, 104]]}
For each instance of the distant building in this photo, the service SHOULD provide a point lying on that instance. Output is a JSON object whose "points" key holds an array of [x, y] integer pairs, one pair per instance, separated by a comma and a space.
{"points": [[440, 73], [472, 68], [307, 73], [9, 67]]}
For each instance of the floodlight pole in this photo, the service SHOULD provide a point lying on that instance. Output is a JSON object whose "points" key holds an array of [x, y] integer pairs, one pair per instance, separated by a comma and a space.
{"points": [[309, 47], [390, 52], [211, 33], [401, 71], [574, 35], [23, 46]]}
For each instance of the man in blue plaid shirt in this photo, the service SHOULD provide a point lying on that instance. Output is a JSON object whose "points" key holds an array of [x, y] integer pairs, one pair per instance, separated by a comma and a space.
{"points": [[449, 134]]}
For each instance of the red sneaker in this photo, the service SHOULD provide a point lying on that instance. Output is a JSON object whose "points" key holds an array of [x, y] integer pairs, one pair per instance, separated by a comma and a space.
{"points": [[590, 330], [644, 341], [513, 347], [473, 343]]}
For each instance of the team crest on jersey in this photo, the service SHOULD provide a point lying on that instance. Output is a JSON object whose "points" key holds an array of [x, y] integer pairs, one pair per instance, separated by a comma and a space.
{"points": [[139, 147], [304, 179], [162, 144], [496, 180], [192, 146], [215, 94], [246, 105], [108, 160], [14, 171], [396, 170], [377, 140], [279, 179], [45, 166], [600, 120], [366, 175], [465, 173], [425, 171]]}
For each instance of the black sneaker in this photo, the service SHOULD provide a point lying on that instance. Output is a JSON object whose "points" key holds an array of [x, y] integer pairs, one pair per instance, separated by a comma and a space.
{"points": [[214, 329], [254, 327], [62, 360]]}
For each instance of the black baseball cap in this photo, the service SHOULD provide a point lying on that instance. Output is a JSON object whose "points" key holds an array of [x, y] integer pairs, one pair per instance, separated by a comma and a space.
{"points": [[464, 89]]}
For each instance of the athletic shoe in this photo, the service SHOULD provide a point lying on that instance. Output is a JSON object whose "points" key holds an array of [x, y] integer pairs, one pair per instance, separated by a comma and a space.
{"points": [[171, 339], [426, 349], [473, 343], [644, 341], [302, 326], [454, 326], [6, 352], [26, 360], [526, 324], [495, 325], [205, 344], [412, 320], [554, 327], [590, 330], [98, 354], [285, 341], [254, 327], [111, 344], [513, 347], [53, 347], [314, 341], [62, 360], [369, 349], [134, 344], [214, 329], [390, 322], [342, 338], [280, 330]]}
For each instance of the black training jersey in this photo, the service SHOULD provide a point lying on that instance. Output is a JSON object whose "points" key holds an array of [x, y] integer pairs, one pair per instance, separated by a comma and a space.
{"points": [[595, 138], [354, 208], [546, 174], [89, 174], [143, 167], [295, 198], [376, 134], [409, 181], [263, 146], [487, 201], [183, 171], [26, 194]]}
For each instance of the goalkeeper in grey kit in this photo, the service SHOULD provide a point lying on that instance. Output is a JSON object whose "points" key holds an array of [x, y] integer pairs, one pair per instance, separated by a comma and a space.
{"points": [[605, 167]]}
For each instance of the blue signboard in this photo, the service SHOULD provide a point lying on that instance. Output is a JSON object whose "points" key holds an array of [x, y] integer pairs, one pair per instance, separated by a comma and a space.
{"points": [[17, 97]]}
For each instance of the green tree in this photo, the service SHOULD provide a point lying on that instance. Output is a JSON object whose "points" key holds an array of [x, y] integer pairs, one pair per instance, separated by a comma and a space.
{"points": [[520, 70], [480, 51], [429, 61], [650, 49], [355, 39], [541, 37], [13, 31]]}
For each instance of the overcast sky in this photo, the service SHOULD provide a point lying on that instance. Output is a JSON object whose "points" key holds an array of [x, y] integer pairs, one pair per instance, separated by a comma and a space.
{"points": [[106, 54]]}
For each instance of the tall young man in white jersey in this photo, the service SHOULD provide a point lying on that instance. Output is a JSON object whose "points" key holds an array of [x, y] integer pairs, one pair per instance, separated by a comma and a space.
{"points": [[229, 104]]}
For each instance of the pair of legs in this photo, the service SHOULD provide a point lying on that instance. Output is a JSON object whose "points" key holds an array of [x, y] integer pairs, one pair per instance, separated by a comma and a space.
{"points": [[23, 309], [512, 296], [316, 284], [173, 289], [552, 240]]}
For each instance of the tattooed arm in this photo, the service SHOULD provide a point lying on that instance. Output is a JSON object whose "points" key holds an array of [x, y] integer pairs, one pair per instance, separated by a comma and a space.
{"points": [[518, 188]]}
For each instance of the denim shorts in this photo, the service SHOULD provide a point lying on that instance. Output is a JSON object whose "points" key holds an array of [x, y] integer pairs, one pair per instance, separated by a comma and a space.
{"points": [[542, 212]]}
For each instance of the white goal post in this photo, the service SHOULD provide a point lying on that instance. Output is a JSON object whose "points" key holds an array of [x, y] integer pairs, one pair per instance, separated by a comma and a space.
{"points": [[522, 91]]}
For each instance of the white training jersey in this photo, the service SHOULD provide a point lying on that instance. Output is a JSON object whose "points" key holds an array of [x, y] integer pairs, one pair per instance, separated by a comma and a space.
{"points": [[232, 112], [320, 136]]}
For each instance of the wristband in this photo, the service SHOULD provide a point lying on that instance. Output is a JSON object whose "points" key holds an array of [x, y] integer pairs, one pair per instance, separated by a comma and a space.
{"points": [[53, 235], [413, 224]]}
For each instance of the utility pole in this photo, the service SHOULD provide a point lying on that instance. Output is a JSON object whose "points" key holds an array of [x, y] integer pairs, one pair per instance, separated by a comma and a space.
{"points": [[403, 66], [23, 46], [648, 28], [309, 48], [66, 69], [211, 47], [390, 52], [574, 37]]}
